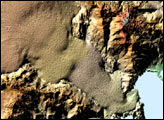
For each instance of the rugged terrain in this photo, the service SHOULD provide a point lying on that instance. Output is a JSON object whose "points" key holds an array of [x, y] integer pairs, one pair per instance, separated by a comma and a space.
{"points": [[77, 59]]}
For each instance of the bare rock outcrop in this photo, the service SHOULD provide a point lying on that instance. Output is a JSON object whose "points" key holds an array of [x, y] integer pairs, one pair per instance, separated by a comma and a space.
{"points": [[64, 59], [25, 95], [129, 35]]}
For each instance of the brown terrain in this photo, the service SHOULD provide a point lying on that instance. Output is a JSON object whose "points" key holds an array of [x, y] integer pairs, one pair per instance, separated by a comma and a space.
{"points": [[76, 59]]}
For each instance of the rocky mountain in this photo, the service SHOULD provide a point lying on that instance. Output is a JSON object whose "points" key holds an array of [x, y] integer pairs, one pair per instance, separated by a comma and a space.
{"points": [[70, 59]]}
